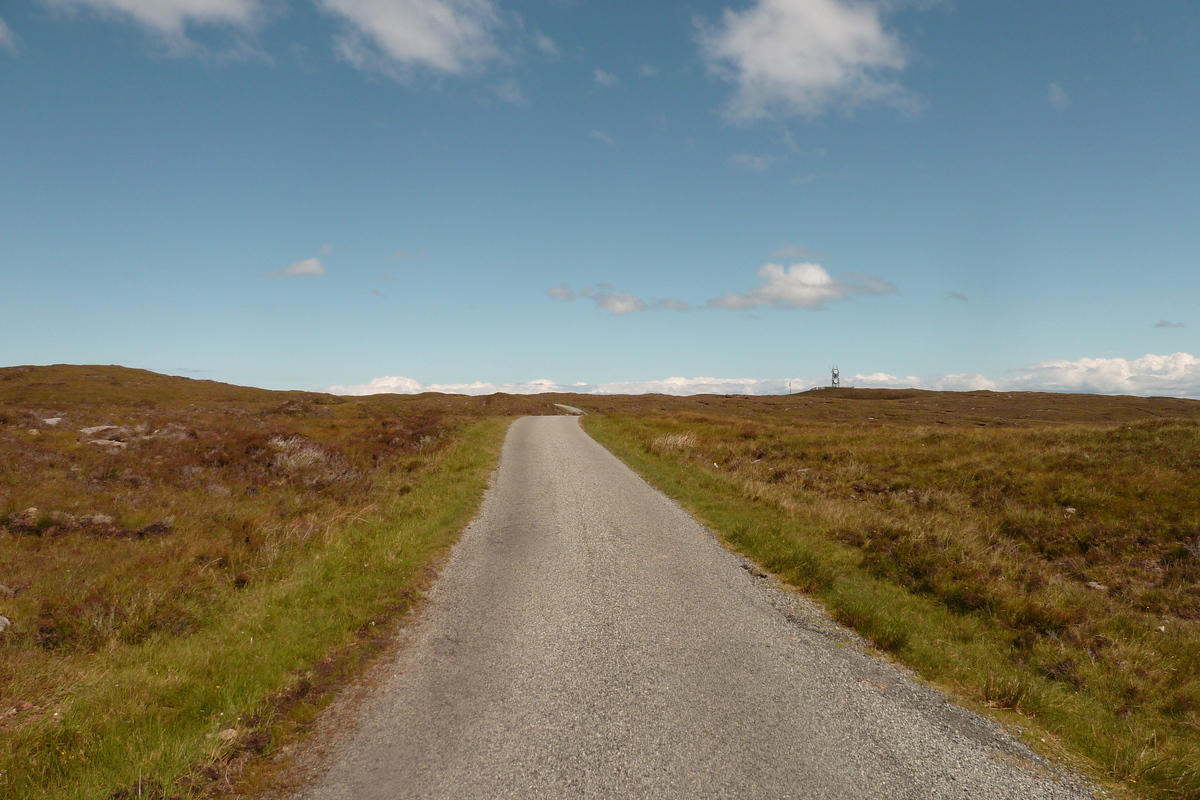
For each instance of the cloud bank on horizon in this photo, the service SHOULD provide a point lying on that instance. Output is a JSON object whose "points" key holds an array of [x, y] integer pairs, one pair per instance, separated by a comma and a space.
{"points": [[1175, 375]]}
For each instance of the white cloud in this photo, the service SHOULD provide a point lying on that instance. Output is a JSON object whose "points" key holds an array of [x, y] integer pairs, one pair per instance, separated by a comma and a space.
{"points": [[561, 292], [8, 39], [802, 285], [674, 386], [605, 78], [805, 56], [1058, 97], [1175, 375], [170, 17], [601, 136], [325, 249], [648, 71], [616, 303], [308, 268], [398, 36]]}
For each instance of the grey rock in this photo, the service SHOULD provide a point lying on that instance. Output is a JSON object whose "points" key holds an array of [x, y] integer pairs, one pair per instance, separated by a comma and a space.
{"points": [[92, 431]]}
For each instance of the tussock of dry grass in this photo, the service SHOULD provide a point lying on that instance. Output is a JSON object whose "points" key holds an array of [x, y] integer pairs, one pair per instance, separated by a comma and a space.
{"points": [[1050, 566]]}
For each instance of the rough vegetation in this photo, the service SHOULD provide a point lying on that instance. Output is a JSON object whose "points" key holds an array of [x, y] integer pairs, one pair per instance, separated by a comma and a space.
{"points": [[187, 569], [1037, 553], [178, 556]]}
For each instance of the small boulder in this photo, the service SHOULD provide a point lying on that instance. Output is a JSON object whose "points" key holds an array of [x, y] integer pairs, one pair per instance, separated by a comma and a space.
{"points": [[92, 431], [1099, 587], [52, 421], [4, 623], [112, 445], [24, 521]]}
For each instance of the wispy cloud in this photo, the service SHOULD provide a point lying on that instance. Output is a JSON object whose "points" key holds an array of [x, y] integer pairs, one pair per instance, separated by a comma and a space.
{"points": [[510, 92], [561, 292], [603, 78], [617, 303], [813, 177], [545, 44], [959, 296], [614, 302], [804, 57], [802, 285], [1057, 96], [751, 162], [308, 268], [790, 252], [325, 249], [601, 136], [648, 71], [170, 18], [8, 39], [449, 37], [1163, 323]]}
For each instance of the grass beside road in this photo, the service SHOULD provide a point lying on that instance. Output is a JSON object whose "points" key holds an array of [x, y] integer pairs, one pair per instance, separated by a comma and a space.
{"points": [[1011, 548], [177, 593]]}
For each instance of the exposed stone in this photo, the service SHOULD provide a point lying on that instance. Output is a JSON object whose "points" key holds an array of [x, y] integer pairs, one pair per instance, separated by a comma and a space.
{"points": [[175, 431], [24, 521], [92, 431], [111, 444], [1100, 587], [99, 520], [228, 735], [52, 421], [4, 623]]}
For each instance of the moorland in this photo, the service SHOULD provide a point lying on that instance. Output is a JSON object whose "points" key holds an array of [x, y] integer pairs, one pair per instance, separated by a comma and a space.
{"points": [[191, 570]]}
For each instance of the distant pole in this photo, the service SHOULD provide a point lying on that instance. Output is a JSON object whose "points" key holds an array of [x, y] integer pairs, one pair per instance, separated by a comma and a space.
{"points": [[836, 380]]}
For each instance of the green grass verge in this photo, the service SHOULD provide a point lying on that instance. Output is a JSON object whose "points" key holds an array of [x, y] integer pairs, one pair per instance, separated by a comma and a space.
{"points": [[143, 719], [1130, 723]]}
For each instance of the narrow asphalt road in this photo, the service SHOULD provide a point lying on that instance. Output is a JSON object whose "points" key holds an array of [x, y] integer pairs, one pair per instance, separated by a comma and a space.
{"points": [[588, 639]]}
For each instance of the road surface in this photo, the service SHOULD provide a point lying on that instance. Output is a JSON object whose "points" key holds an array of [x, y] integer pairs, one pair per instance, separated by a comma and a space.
{"points": [[588, 639]]}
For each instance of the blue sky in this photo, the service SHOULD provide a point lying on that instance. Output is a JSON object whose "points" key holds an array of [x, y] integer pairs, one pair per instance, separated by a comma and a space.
{"points": [[481, 194]]}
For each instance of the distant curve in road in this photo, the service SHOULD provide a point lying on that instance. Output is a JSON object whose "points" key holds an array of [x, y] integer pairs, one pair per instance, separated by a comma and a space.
{"points": [[588, 639]]}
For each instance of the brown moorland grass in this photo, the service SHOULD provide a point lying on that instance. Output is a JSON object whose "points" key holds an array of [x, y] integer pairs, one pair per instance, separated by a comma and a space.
{"points": [[1037, 554], [180, 572]]}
